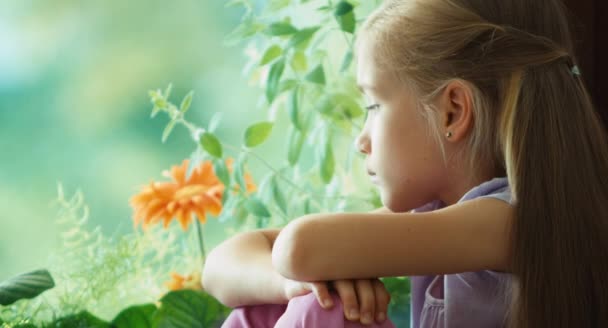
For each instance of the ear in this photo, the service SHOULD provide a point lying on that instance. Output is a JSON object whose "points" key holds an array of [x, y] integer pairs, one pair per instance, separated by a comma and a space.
{"points": [[456, 107]]}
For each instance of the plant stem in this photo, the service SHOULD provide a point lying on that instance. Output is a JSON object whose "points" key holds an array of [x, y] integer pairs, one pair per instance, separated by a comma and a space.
{"points": [[201, 245], [192, 128]]}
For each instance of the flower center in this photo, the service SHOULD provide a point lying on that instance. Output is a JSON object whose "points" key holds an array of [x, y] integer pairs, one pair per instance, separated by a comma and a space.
{"points": [[189, 191]]}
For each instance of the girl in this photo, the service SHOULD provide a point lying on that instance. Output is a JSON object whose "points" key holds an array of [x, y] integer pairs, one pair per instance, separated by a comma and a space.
{"points": [[462, 93]]}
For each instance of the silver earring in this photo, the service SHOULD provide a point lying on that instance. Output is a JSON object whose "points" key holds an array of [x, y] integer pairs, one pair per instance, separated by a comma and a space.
{"points": [[449, 134]]}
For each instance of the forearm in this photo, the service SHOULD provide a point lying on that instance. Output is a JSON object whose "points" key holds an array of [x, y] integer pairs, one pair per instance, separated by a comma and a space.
{"points": [[239, 272]]}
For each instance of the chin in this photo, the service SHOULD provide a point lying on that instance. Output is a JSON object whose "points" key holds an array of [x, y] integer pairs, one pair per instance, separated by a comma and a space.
{"points": [[399, 204], [393, 204]]}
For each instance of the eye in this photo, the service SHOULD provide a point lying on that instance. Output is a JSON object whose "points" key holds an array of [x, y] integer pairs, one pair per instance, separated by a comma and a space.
{"points": [[372, 107], [369, 109]]}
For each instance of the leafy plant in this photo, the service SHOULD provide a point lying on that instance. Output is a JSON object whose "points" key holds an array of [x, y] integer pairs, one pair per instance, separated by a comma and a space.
{"points": [[300, 54], [98, 273], [27, 285], [305, 71]]}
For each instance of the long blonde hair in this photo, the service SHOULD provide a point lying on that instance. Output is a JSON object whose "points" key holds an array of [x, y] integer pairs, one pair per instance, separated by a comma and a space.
{"points": [[535, 120]]}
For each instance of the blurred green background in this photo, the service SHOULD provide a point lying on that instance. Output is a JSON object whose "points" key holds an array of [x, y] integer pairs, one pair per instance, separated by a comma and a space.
{"points": [[74, 108]]}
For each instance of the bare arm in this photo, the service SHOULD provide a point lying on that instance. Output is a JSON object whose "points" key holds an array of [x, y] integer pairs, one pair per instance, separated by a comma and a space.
{"points": [[239, 271], [469, 236]]}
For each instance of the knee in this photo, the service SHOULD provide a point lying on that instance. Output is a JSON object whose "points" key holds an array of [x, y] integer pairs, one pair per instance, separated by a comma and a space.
{"points": [[254, 316], [305, 311]]}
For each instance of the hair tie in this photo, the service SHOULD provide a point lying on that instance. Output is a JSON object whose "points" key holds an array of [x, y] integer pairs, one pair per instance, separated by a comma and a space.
{"points": [[575, 70]]}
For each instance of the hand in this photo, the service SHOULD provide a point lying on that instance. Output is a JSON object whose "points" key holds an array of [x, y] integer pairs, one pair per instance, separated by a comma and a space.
{"points": [[295, 288], [367, 297], [363, 299]]}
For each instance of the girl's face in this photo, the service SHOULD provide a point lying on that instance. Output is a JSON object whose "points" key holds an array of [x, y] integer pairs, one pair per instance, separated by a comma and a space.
{"points": [[403, 158]]}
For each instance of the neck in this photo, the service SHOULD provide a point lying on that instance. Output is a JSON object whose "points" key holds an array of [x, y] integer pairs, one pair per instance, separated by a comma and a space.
{"points": [[460, 182]]}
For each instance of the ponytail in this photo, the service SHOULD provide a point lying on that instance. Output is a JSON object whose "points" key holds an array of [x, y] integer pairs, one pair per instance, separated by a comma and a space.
{"points": [[535, 120], [556, 152]]}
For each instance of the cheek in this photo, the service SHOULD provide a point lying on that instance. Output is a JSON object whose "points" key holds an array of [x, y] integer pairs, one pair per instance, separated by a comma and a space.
{"points": [[412, 175]]}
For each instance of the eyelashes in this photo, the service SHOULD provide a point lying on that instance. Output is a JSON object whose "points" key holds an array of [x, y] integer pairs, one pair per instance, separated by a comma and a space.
{"points": [[369, 109], [372, 107]]}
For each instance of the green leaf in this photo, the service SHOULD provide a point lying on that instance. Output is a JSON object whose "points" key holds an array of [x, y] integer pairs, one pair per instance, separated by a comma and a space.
{"points": [[168, 130], [276, 5], [228, 209], [225, 197], [399, 289], [256, 207], [157, 99], [327, 162], [287, 85], [189, 308], [272, 53], [375, 199], [298, 61], [241, 213], [295, 141], [326, 105], [264, 190], [239, 172], [221, 171], [80, 320], [155, 112], [246, 30], [27, 285], [346, 105], [167, 93], [339, 106], [348, 59], [302, 36], [345, 16], [257, 133], [278, 196], [186, 102], [196, 158], [307, 206], [347, 22], [282, 28], [293, 108], [137, 316], [211, 144], [317, 75], [233, 3], [214, 121], [261, 222], [274, 76], [343, 8]]}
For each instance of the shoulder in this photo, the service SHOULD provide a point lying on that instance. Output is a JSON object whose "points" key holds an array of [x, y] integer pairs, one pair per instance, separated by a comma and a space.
{"points": [[469, 236]]}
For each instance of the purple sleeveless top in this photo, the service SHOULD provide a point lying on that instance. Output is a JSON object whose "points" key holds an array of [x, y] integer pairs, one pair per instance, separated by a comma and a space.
{"points": [[467, 299]]}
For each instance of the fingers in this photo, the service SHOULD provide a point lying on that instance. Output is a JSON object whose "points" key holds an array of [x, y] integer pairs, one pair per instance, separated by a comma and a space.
{"points": [[367, 300], [364, 300], [383, 298], [348, 296], [322, 293]]}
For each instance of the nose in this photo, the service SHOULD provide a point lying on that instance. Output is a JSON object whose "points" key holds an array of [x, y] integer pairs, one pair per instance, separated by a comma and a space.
{"points": [[362, 143]]}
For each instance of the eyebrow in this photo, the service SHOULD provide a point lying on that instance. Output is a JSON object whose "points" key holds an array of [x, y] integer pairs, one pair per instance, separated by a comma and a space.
{"points": [[362, 87]]}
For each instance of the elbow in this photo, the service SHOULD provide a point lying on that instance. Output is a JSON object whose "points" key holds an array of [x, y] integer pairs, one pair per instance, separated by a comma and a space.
{"points": [[290, 251], [211, 281], [208, 277]]}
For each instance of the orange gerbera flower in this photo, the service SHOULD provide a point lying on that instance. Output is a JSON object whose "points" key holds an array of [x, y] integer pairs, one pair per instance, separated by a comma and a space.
{"points": [[182, 197], [191, 281]]}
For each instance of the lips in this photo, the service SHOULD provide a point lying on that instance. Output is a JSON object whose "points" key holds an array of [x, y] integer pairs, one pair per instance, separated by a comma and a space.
{"points": [[374, 178]]}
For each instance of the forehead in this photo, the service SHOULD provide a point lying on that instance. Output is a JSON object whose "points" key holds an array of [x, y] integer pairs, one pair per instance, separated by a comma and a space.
{"points": [[367, 70], [370, 75]]}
